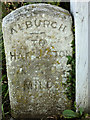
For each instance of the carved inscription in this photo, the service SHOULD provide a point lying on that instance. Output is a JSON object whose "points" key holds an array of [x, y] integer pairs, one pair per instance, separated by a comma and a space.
{"points": [[39, 23], [15, 56], [36, 85], [40, 52]]}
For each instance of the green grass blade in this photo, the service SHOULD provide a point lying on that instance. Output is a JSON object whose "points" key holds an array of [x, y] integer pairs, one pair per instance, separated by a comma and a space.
{"points": [[6, 94], [3, 111]]}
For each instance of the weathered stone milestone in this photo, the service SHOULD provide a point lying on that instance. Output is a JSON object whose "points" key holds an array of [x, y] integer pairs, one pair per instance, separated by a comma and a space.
{"points": [[37, 40]]}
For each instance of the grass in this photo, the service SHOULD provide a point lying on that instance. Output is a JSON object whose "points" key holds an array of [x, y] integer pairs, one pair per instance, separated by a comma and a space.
{"points": [[4, 93]]}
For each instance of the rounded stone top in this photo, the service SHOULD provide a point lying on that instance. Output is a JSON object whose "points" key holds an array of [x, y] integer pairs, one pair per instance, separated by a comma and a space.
{"points": [[35, 9]]}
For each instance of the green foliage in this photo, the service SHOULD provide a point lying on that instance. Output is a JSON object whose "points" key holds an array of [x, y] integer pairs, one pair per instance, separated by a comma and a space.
{"points": [[81, 110], [5, 107], [10, 6], [3, 81], [70, 83], [71, 114]]}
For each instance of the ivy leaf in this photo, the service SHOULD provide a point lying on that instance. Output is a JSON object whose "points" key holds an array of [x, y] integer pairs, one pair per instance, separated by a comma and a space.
{"points": [[81, 110], [70, 114]]}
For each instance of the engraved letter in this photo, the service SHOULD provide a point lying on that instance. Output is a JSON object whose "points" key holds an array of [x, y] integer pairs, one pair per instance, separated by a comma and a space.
{"points": [[54, 24], [13, 56], [60, 26], [42, 42], [46, 23], [13, 30], [39, 22], [27, 85], [64, 28], [19, 26], [28, 24], [48, 84], [54, 53]]}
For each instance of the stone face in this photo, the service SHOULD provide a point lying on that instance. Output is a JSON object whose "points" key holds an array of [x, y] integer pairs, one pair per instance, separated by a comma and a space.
{"points": [[37, 39]]}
